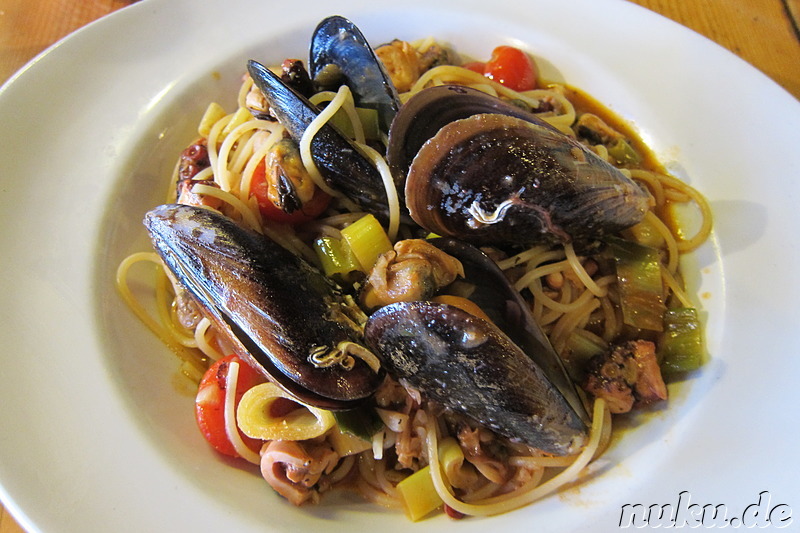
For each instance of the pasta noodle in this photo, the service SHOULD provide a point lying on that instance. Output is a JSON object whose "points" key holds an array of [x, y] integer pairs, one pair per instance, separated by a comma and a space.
{"points": [[574, 295]]}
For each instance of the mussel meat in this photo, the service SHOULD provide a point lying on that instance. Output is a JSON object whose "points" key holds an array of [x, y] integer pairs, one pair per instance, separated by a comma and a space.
{"points": [[279, 312], [501, 373], [492, 175]]}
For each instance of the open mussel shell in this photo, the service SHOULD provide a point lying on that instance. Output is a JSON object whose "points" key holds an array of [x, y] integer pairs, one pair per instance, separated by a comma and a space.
{"points": [[338, 160], [466, 364], [274, 307], [488, 287], [495, 178], [338, 45], [431, 109]]}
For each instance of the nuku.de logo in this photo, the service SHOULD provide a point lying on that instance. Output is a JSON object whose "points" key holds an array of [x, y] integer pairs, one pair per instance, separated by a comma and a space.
{"points": [[686, 514]]}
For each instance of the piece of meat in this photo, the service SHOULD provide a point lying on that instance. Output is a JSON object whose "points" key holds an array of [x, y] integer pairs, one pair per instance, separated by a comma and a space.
{"points": [[294, 468], [627, 375]]}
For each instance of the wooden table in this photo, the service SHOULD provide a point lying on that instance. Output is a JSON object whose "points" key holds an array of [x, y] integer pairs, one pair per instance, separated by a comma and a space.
{"points": [[766, 33]]}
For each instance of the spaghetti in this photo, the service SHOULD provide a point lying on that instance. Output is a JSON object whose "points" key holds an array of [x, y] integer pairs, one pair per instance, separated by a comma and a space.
{"points": [[576, 298]]}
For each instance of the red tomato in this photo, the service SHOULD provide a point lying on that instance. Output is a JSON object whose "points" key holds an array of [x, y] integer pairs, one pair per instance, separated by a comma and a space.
{"points": [[210, 403], [512, 67], [310, 210], [475, 66]]}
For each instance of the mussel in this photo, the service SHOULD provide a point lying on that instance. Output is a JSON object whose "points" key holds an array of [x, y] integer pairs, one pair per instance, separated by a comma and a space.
{"points": [[501, 373], [339, 161], [339, 50], [486, 172], [279, 312]]}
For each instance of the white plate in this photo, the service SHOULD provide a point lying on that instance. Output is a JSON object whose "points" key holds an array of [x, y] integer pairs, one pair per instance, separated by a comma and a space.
{"points": [[97, 433]]}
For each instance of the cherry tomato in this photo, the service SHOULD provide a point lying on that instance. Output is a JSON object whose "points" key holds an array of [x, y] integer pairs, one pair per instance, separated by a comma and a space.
{"points": [[310, 210], [475, 66], [210, 403], [512, 67]]}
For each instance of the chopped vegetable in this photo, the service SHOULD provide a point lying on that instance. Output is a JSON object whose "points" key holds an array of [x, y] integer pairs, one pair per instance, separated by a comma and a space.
{"points": [[241, 116], [210, 402], [681, 347], [345, 443], [581, 349], [623, 153], [336, 257], [646, 233], [214, 112], [367, 239], [367, 117], [451, 457], [362, 422], [419, 494], [640, 285]]}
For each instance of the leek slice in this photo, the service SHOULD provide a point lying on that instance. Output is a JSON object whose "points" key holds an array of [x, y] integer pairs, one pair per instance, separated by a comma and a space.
{"points": [[362, 422], [336, 258], [419, 494], [367, 240], [681, 347], [640, 284]]}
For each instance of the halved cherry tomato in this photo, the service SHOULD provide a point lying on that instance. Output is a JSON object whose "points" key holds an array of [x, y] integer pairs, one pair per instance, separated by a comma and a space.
{"points": [[310, 210], [511, 67], [475, 66], [210, 403]]}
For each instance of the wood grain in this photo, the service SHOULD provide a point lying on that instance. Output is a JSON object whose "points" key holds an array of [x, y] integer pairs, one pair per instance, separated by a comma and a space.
{"points": [[762, 32], [765, 33]]}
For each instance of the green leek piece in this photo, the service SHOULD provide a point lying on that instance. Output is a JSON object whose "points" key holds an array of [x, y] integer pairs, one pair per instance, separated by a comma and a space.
{"points": [[646, 233], [368, 118], [363, 422], [346, 443], [623, 153], [419, 494], [451, 456], [581, 349], [681, 347], [367, 240], [336, 257], [640, 285]]}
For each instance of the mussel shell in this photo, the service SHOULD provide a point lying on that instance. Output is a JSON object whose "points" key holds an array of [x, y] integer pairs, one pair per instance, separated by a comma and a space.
{"points": [[469, 366], [338, 160], [430, 109], [337, 41], [490, 290], [272, 305], [497, 179]]}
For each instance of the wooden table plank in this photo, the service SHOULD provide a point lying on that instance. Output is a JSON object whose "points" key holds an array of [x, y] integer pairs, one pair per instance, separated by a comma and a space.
{"points": [[8, 524], [762, 32], [27, 27]]}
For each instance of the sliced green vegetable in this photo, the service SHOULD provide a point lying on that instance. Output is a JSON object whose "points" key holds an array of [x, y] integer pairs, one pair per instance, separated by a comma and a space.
{"points": [[581, 349], [346, 443], [681, 347], [646, 233], [363, 422], [336, 257], [623, 153], [368, 240], [368, 118], [419, 494], [640, 284]]}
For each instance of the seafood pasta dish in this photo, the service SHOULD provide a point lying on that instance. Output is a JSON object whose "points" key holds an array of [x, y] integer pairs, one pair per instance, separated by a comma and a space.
{"points": [[428, 281]]}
